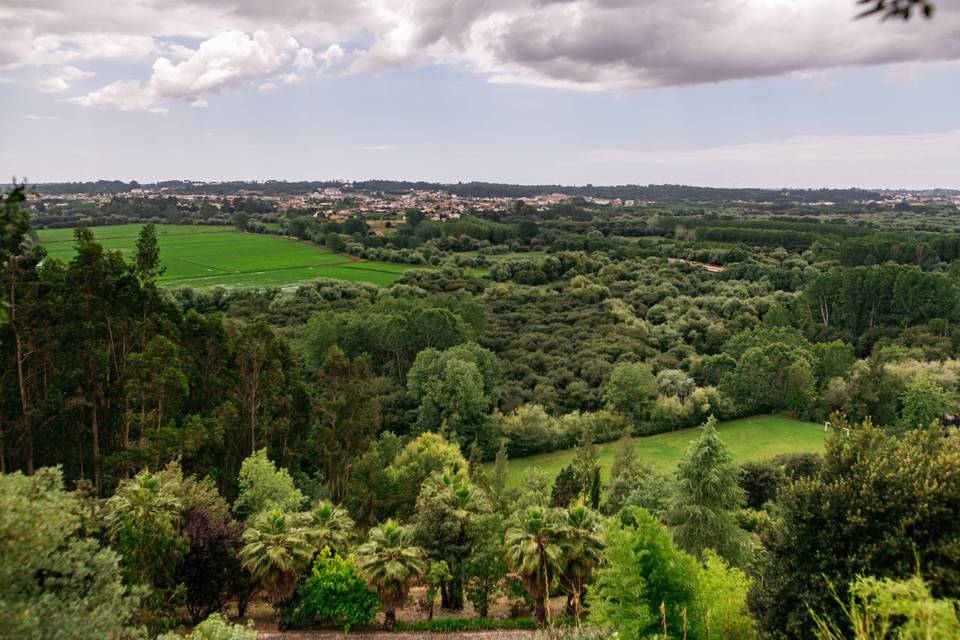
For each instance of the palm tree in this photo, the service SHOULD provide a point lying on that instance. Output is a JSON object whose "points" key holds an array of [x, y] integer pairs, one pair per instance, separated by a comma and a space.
{"points": [[390, 561], [533, 550], [143, 521], [582, 553], [276, 552], [328, 525]]}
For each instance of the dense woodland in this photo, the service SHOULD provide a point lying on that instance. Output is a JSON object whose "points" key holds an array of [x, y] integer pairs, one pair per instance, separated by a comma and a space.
{"points": [[171, 456]]}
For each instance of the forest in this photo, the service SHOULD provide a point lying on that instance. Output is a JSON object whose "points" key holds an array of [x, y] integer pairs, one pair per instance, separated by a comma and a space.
{"points": [[333, 455]]}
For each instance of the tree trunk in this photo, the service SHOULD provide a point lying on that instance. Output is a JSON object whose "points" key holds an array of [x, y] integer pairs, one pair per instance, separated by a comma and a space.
{"points": [[95, 430], [389, 620], [540, 610]]}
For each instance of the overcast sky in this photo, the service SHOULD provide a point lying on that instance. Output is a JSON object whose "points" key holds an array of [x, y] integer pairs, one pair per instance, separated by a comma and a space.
{"points": [[707, 92]]}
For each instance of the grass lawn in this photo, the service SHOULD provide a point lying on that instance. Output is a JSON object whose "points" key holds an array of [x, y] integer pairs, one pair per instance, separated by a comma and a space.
{"points": [[753, 438], [202, 256]]}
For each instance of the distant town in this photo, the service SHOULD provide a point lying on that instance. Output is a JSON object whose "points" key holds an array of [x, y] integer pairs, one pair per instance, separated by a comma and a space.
{"points": [[338, 200]]}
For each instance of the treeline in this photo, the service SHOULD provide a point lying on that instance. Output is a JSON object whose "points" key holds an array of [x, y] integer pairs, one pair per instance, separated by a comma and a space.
{"points": [[475, 190], [923, 250]]}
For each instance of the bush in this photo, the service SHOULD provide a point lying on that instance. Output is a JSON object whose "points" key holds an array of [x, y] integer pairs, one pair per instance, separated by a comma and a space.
{"points": [[334, 592], [216, 627]]}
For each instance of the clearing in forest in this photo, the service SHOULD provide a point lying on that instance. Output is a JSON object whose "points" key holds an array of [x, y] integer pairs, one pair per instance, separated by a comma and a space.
{"points": [[204, 256]]}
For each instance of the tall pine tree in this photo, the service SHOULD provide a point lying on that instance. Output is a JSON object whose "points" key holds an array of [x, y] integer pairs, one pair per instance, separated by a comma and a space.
{"points": [[707, 493]]}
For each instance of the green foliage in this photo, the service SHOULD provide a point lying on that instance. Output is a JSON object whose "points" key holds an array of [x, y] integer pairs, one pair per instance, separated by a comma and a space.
{"points": [[454, 390], [880, 505], [885, 609], [425, 455], [643, 569], [277, 550], [707, 493], [533, 546], [216, 627], [447, 506], [566, 487], [631, 389], [485, 568], [263, 486], [389, 561], [55, 580], [143, 522], [626, 473], [722, 601], [329, 526], [335, 592], [923, 402]]}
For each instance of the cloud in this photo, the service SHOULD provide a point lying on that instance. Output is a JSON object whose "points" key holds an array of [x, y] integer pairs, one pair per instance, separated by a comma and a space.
{"points": [[125, 95], [619, 45], [62, 79], [378, 147], [228, 59]]}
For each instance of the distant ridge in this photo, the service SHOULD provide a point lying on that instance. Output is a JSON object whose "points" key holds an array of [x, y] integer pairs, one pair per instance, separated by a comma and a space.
{"points": [[473, 189]]}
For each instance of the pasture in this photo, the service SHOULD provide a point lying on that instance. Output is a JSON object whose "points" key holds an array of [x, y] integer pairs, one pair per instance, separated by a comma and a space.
{"points": [[754, 438], [204, 256]]}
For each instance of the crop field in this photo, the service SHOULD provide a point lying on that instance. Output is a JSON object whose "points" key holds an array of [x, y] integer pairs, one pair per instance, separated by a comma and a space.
{"points": [[754, 438], [204, 256]]}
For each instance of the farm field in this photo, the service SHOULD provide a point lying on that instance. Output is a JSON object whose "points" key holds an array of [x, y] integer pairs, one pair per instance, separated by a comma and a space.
{"points": [[753, 438], [203, 256]]}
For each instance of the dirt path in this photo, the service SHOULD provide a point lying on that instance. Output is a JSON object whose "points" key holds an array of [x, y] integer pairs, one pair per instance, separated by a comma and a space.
{"points": [[712, 268], [398, 635]]}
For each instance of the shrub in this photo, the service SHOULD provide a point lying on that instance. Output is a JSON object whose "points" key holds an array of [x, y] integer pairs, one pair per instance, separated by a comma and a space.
{"points": [[216, 627], [334, 592]]}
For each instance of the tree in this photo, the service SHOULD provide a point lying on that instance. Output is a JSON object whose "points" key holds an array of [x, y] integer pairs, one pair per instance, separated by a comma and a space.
{"points": [[707, 492], [454, 390], [147, 261], [644, 571], [673, 382], [241, 220], [211, 564], [413, 217], [143, 522], [485, 568], [533, 547], [566, 487], [335, 591], [427, 454], [883, 608], [155, 389], [582, 555], [263, 486], [329, 526], [903, 9], [389, 561], [923, 402], [880, 506], [722, 601], [55, 579], [447, 506], [631, 389], [216, 627], [625, 475], [348, 417], [276, 551]]}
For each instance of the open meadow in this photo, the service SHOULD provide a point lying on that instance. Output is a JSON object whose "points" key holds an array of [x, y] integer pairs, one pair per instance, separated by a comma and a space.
{"points": [[204, 256], [754, 438]]}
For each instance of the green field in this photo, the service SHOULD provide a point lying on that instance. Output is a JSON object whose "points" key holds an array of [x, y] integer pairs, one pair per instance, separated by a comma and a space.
{"points": [[203, 256], [752, 438]]}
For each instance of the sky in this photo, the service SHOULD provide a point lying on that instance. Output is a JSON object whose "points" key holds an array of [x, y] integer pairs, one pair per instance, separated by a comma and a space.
{"points": [[762, 93]]}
